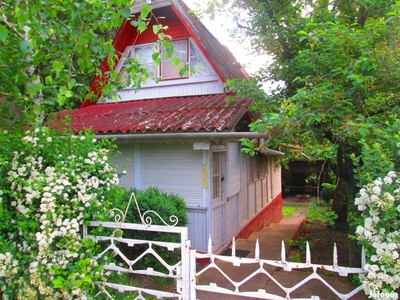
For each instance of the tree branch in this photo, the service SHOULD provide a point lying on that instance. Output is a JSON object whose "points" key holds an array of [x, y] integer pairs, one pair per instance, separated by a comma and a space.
{"points": [[10, 26], [290, 146]]}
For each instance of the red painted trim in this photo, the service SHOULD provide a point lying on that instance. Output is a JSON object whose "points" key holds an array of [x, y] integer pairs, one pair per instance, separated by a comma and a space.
{"points": [[271, 214], [118, 43]]}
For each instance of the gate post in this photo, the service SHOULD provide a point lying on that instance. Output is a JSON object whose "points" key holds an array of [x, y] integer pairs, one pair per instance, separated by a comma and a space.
{"points": [[192, 273]]}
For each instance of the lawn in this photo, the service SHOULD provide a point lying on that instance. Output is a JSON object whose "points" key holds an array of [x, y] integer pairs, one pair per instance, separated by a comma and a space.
{"points": [[288, 210]]}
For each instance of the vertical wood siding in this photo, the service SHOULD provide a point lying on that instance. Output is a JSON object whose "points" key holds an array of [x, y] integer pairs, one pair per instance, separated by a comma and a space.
{"points": [[252, 204], [198, 229], [234, 168], [244, 212], [182, 88], [233, 207], [258, 195], [276, 179], [175, 169], [124, 161]]}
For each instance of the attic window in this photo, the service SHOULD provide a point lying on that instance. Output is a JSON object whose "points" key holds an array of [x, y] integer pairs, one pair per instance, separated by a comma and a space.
{"points": [[185, 50], [166, 70]]}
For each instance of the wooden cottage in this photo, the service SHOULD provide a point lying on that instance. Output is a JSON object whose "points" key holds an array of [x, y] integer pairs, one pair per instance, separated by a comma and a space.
{"points": [[182, 136]]}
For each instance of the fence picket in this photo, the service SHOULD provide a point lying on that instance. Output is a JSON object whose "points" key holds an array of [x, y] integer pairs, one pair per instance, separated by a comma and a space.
{"points": [[186, 274]]}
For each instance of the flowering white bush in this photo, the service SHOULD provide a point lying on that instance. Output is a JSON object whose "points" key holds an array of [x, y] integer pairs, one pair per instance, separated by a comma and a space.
{"points": [[379, 203], [49, 186]]}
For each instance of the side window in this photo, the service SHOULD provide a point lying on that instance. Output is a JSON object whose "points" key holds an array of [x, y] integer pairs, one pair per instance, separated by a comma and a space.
{"points": [[143, 55], [197, 63], [218, 175]]}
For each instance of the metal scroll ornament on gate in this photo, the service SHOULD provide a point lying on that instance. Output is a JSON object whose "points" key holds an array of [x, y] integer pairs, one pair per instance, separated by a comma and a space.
{"points": [[119, 215]]}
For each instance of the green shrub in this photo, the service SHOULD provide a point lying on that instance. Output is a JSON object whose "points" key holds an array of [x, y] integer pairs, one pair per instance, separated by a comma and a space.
{"points": [[150, 202]]}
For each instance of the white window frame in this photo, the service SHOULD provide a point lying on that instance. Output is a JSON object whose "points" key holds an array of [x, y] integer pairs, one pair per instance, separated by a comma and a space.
{"points": [[203, 74], [218, 174]]}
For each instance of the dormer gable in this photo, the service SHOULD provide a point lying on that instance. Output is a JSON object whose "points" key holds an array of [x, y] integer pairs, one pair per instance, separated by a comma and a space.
{"points": [[165, 79], [212, 63]]}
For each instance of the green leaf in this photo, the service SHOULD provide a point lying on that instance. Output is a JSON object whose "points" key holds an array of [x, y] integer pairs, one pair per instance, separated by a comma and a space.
{"points": [[303, 38], [58, 66], [156, 29], [156, 58], [71, 84], [299, 105], [69, 94], [63, 89], [142, 26], [146, 9], [37, 109], [125, 12], [161, 36], [59, 282], [49, 80], [182, 71], [80, 5], [3, 33], [24, 46], [175, 61]]}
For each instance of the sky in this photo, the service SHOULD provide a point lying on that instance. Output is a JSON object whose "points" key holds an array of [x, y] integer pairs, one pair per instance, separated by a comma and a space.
{"points": [[219, 29]]}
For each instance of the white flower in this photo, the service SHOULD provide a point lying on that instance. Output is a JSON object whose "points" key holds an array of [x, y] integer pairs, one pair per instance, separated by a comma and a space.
{"points": [[368, 222], [360, 230], [376, 190]]}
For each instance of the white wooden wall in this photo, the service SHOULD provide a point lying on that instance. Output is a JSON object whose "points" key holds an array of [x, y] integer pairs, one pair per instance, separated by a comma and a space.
{"points": [[173, 169], [276, 179], [124, 161], [182, 89], [177, 168], [234, 168], [256, 196]]}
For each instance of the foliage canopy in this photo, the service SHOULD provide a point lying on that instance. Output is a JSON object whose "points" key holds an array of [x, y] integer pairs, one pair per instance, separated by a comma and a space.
{"points": [[51, 50], [338, 65]]}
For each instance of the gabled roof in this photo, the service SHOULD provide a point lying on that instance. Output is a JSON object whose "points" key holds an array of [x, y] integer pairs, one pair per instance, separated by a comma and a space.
{"points": [[200, 113], [196, 113], [220, 58]]}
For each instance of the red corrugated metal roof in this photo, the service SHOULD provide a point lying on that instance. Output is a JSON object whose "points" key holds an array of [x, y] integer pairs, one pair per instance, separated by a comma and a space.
{"points": [[195, 113]]}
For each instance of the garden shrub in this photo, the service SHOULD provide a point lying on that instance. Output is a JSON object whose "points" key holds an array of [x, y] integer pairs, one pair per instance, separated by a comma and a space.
{"points": [[165, 205], [50, 185]]}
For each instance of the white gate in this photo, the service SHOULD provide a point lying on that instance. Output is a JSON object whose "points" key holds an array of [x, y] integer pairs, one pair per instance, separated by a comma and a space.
{"points": [[183, 272]]}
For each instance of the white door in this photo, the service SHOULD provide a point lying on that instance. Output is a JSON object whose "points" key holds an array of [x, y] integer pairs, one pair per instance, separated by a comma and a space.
{"points": [[219, 227]]}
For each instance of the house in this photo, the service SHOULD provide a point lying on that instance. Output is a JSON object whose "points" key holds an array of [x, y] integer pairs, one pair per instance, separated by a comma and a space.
{"points": [[181, 135]]}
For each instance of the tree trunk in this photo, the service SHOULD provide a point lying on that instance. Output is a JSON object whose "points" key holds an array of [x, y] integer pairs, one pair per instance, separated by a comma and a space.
{"points": [[343, 199]]}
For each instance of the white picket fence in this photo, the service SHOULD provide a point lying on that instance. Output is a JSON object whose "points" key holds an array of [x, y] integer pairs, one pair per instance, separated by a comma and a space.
{"points": [[184, 273]]}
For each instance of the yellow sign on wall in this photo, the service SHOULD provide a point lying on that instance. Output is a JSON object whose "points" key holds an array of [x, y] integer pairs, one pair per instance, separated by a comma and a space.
{"points": [[204, 175]]}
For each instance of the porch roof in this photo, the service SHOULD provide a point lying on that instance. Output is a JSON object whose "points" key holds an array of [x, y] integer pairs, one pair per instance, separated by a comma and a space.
{"points": [[194, 113]]}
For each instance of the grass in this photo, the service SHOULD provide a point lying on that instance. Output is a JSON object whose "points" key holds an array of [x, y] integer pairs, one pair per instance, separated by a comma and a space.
{"points": [[288, 210]]}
